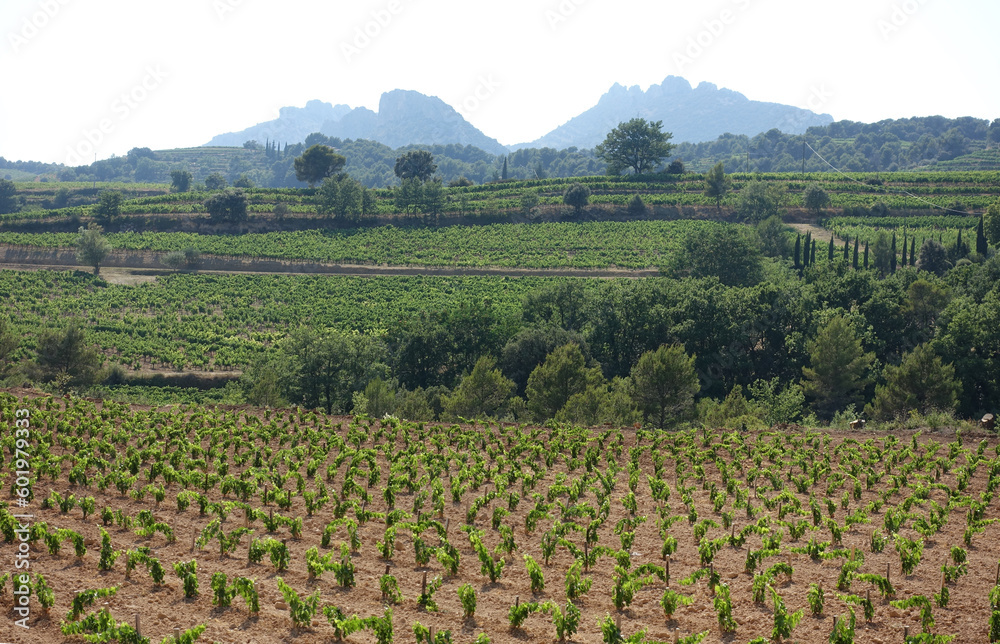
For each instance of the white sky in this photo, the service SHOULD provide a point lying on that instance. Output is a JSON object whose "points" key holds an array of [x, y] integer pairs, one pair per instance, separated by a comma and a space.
{"points": [[214, 66]]}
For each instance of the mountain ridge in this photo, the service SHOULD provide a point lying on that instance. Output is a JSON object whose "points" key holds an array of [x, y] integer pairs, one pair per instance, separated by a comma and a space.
{"points": [[408, 117]]}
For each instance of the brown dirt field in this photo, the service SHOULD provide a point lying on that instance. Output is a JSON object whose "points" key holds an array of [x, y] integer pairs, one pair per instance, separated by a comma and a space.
{"points": [[163, 608]]}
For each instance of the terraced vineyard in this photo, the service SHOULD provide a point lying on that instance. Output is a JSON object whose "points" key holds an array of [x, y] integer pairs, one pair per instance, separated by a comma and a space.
{"points": [[905, 191], [636, 245], [276, 525], [224, 322], [942, 228]]}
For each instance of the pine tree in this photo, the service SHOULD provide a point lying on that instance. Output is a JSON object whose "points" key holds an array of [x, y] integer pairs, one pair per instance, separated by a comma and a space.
{"points": [[866, 255], [798, 251], [829, 252], [892, 259], [855, 254]]}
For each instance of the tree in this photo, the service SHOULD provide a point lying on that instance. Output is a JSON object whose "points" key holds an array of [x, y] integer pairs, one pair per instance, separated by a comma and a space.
{"points": [[317, 163], [717, 184], [109, 205], [922, 383], [991, 224], [798, 252], [433, 197], [577, 196], [839, 367], [481, 394], [229, 206], [665, 383], [727, 251], [325, 368], [758, 201], [409, 194], [65, 357], [884, 253], [215, 181], [341, 196], [416, 164], [982, 244], [815, 198], [636, 207], [933, 258], [529, 201], [8, 197], [639, 145], [91, 247], [773, 234], [551, 384], [180, 180]]}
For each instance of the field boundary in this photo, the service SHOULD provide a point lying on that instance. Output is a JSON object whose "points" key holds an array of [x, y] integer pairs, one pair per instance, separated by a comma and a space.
{"points": [[150, 261]]}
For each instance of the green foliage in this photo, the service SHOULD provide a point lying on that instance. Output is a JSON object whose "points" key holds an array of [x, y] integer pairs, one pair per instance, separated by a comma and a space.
{"points": [[189, 636], [187, 573], [672, 600], [108, 554], [665, 383], [535, 574], [815, 598], [426, 598], [717, 184], [921, 383], [724, 609], [467, 596], [576, 585], [843, 629], [300, 609], [638, 145], [317, 163], [84, 598], [839, 367], [389, 588]]}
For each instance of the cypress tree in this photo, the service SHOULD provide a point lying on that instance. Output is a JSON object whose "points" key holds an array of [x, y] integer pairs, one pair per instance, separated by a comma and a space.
{"points": [[855, 253], [829, 253], [913, 252], [903, 261], [805, 248], [982, 245], [847, 249], [798, 251], [866, 255], [892, 259], [812, 256]]}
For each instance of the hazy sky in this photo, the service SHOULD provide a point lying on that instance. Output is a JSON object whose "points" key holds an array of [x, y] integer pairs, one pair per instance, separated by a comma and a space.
{"points": [[107, 75]]}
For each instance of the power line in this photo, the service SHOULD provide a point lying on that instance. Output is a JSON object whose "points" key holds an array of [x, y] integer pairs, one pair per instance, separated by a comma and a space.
{"points": [[908, 194]]}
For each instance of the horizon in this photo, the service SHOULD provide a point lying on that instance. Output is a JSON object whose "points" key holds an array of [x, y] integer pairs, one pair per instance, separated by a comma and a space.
{"points": [[238, 63]]}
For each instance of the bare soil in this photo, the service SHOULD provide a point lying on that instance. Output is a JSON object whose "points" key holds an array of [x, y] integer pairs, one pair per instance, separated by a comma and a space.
{"points": [[161, 609]]}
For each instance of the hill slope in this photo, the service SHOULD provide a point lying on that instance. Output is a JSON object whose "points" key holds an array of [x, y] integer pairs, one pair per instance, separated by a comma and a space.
{"points": [[691, 114]]}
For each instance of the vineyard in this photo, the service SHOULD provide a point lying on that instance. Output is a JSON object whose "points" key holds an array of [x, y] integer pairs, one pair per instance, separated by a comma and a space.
{"points": [[636, 245], [241, 525], [942, 228], [903, 191], [225, 322]]}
